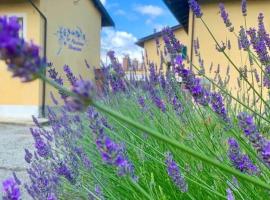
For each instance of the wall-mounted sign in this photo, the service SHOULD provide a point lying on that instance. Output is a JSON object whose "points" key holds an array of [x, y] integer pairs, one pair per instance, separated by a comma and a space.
{"points": [[71, 38]]}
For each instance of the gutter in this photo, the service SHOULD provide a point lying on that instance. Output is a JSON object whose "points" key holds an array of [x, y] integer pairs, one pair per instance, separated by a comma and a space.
{"points": [[192, 39], [43, 103]]}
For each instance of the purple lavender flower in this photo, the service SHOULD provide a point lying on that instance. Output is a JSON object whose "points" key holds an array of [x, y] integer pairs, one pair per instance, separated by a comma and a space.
{"points": [[266, 78], [54, 100], [262, 40], [172, 45], [261, 144], [111, 153], [22, 58], [114, 154], [175, 174], [53, 74], [28, 156], [194, 86], [43, 181], [239, 160], [162, 81], [156, 99], [52, 197], [167, 47], [177, 105], [244, 7], [70, 76], [43, 149], [229, 194], [141, 101], [195, 7], [225, 16], [83, 89], [153, 77], [176, 45], [17, 180], [11, 190], [63, 170], [117, 75], [218, 106], [84, 158], [259, 46], [98, 192], [262, 33], [200, 94], [243, 39], [160, 103]]}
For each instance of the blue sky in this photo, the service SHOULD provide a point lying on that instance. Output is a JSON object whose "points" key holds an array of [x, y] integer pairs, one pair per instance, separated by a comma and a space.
{"points": [[134, 19]]}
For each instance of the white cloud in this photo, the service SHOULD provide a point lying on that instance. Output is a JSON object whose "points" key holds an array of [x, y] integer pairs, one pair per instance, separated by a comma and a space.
{"points": [[150, 10], [121, 42], [120, 12], [103, 2]]}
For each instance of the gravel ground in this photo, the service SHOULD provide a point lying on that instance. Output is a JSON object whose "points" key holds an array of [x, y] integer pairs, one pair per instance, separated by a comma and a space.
{"points": [[13, 140]]}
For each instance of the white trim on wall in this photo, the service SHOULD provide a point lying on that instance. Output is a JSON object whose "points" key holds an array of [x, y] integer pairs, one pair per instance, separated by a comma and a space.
{"points": [[18, 111]]}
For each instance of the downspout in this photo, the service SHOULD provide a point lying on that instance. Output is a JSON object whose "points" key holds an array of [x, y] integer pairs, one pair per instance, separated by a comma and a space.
{"points": [[192, 39], [44, 54]]}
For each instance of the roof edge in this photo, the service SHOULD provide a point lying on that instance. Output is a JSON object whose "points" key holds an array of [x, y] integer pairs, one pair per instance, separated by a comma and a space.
{"points": [[106, 19], [180, 10], [141, 41]]}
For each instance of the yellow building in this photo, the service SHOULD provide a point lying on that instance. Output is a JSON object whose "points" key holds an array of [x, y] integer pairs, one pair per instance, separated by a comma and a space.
{"points": [[194, 29], [68, 32]]}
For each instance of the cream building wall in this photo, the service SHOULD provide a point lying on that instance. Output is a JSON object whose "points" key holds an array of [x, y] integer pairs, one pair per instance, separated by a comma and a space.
{"points": [[64, 17], [207, 46], [22, 99]]}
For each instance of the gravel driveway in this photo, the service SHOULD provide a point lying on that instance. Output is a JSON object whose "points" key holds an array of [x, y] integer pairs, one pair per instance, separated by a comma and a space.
{"points": [[13, 140]]}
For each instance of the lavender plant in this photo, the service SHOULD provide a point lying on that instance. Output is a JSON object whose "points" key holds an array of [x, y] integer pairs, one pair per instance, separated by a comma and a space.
{"points": [[98, 153]]}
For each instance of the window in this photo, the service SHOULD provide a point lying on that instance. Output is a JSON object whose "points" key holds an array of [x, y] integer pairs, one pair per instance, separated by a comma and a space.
{"points": [[22, 21]]}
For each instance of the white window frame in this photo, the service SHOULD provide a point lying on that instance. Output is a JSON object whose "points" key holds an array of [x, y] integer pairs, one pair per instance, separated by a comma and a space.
{"points": [[19, 15]]}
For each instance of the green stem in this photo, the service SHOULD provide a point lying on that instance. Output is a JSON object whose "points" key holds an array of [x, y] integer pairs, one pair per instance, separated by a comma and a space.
{"points": [[139, 188], [56, 85], [179, 146]]}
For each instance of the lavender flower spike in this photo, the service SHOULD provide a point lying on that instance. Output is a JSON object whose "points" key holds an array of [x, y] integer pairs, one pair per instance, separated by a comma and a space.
{"points": [[22, 58], [115, 154], [218, 106], [244, 7], [195, 7], [11, 190], [243, 39], [229, 194], [261, 144], [83, 89], [174, 172], [69, 74], [28, 156], [239, 160], [225, 16]]}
